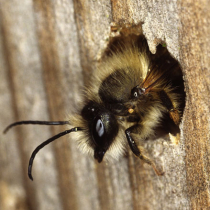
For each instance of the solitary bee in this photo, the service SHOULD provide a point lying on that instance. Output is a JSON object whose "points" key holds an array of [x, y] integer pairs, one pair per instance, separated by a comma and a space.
{"points": [[129, 96]]}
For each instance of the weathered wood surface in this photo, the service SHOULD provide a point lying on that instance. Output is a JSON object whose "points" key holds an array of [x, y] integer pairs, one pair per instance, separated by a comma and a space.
{"points": [[195, 59], [48, 49]]}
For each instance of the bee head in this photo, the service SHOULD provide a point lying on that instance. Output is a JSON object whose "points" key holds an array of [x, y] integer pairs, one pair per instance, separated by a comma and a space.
{"points": [[103, 128]]}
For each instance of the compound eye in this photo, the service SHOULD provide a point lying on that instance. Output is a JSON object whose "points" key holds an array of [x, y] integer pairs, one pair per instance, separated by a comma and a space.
{"points": [[100, 128]]}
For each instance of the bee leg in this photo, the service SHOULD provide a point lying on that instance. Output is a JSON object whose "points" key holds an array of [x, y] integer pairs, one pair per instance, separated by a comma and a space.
{"points": [[137, 152], [173, 112]]}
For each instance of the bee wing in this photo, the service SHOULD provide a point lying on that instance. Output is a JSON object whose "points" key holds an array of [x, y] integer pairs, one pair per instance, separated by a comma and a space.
{"points": [[153, 81], [158, 74]]}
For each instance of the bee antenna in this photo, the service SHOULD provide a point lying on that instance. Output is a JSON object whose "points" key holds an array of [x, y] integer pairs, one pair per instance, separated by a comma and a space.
{"points": [[44, 144], [35, 122]]}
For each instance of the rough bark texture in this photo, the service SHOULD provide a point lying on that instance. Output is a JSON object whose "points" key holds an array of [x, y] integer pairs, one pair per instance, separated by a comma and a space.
{"points": [[48, 49], [195, 58]]}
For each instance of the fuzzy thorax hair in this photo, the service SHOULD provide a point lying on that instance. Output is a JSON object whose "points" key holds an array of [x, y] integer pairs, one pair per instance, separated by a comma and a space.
{"points": [[111, 84]]}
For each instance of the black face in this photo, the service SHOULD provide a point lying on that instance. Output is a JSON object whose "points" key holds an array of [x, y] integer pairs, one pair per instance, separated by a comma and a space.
{"points": [[103, 127]]}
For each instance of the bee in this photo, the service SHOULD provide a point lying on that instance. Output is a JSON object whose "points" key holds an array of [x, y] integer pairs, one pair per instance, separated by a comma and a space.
{"points": [[132, 92]]}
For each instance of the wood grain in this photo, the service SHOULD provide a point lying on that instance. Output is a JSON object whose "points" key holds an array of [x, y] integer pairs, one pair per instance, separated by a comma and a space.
{"points": [[195, 44]]}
